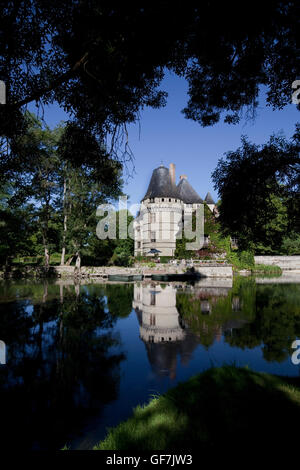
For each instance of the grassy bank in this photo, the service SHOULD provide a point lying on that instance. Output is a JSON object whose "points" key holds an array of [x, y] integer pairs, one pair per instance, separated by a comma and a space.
{"points": [[266, 269], [225, 406]]}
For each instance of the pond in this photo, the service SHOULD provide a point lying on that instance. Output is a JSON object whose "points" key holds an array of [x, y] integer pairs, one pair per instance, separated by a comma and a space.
{"points": [[78, 358]]}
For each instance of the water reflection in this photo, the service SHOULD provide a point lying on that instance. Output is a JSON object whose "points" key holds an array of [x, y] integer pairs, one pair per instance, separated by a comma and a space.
{"points": [[59, 370], [166, 333], [74, 351], [160, 327]]}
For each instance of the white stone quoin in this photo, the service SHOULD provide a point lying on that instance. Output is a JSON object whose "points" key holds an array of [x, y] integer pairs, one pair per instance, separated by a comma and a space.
{"points": [[159, 219]]}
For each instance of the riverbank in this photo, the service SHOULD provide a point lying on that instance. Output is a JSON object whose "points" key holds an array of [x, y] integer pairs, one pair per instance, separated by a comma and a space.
{"points": [[226, 406], [105, 272], [205, 268]]}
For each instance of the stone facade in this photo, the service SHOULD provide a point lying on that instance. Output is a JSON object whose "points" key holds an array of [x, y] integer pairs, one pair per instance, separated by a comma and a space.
{"points": [[161, 212]]}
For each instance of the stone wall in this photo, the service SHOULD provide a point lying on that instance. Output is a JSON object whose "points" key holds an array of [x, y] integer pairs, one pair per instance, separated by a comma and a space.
{"points": [[284, 262], [102, 272], [215, 271]]}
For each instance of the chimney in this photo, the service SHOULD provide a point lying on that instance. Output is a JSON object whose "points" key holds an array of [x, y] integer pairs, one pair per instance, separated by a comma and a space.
{"points": [[172, 173], [183, 177]]}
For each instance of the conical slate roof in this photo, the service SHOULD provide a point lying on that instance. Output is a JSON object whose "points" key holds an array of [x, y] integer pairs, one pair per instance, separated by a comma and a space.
{"points": [[187, 193], [208, 199], [161, 184]]}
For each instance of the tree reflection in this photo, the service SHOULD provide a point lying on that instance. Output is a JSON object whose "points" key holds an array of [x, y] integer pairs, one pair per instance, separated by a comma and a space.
{"points": [[276, 323], [119, 299], [59, 368], [249, 315]]}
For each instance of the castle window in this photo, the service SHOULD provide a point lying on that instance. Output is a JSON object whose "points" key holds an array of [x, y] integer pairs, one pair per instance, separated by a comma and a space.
{"points": [[162, 199], [139, 244], [152, 217], [152, 319], [152, 302], [169, 200], [153, 236]]}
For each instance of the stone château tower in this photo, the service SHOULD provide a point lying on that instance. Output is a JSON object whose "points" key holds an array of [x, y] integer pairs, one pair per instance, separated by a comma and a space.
{"points": [[160, 214]]}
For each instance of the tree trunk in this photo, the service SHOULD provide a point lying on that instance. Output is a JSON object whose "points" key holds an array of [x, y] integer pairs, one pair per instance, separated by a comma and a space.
{"points": [[68, 263], [77, 288], [62, 259], [61, 293], [78, 261], [45, 295], [47, 258], [63, 251]]}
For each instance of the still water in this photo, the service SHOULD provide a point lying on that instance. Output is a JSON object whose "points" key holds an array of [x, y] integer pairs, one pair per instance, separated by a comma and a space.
{"points": [[80, 357]]}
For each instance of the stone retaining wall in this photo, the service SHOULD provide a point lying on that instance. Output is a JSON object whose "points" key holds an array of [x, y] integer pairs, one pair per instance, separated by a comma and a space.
{"points": [[284, 262], [102, 272]]}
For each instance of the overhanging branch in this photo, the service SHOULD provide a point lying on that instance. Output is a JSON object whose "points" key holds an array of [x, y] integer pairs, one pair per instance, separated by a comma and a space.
{"points": [[54, 84]]}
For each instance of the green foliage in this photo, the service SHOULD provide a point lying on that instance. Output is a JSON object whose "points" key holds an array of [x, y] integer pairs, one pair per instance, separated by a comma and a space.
{"points": [[52, 54], [241, 259], [217, 243], [259, 190], [291, 244], [49, 202], [124, 248], [165, 259]]}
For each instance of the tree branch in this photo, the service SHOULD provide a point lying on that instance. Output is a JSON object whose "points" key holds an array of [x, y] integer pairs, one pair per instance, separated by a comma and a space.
{"points": [[54, 84]]}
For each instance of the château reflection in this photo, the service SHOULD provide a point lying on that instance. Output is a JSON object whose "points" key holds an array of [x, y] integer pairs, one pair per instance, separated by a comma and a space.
{"points": [[161, 330], [167, 336], [174, 319]]}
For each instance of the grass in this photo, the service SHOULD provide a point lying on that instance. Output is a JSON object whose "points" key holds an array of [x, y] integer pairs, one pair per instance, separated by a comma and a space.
{"points": [[226, 406], [266, 269]]}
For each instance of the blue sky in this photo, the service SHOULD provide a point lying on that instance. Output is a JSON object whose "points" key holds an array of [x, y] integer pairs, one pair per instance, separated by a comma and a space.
{"points": [[166, 136]]}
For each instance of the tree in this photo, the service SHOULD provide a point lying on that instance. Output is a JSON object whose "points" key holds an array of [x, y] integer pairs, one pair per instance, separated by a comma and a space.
{"points": [[62, 196], [260, 192], [84, 196], [33, 166], [104, 61], [291, 244]]}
